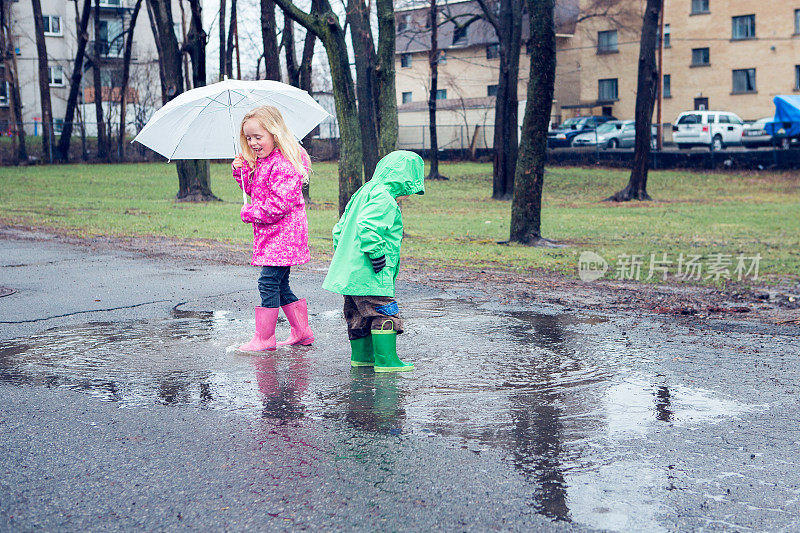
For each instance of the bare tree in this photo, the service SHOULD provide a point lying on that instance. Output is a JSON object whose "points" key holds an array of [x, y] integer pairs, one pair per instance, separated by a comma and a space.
{"points": [[12, 77], [222, 52], [505, 16], [102, 143], [433, 62], [646, 86], [323, 22], [272, 65], [44, 82], [230, 42], [126, 70], [82, 20], [193, 174], [526, 206]]}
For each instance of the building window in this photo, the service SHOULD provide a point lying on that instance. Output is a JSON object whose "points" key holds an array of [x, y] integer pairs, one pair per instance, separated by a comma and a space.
{"points": [[797, 77], [406, 97], [111, 3], [58, 125], [493, 51], [441, 94], [744, 27], [55, 76], [405, 60], [607, 90], [52, 25], [744, 80], [607, 41], [797, 21], [491, 90], [403, 22], [667, 42], [460, 35], [667, 85], [701, 57], [699, 6], [442, 57]]}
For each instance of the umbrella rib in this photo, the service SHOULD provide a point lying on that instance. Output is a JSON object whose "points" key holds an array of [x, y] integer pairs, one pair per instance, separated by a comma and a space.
{"points": [[200, 110]]}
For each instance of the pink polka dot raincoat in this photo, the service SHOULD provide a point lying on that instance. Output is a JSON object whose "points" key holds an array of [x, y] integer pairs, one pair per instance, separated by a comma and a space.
{"points": [[277, 210]]}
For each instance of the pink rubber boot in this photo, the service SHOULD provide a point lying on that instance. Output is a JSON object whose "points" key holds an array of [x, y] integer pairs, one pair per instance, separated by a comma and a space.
{"points": [[297, 315], [264, 337]]}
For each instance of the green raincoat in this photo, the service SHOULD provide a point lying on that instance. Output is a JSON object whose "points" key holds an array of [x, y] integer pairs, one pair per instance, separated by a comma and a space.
{"points": [[372, 226]]}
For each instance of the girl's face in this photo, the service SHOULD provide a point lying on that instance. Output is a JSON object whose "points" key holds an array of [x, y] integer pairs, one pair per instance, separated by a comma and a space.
{"points": [[260, 140]]}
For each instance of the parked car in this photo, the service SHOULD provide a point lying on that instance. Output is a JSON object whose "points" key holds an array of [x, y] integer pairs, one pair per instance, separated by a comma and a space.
{"points": [[757, 134], [572, 127], [715, 129]]}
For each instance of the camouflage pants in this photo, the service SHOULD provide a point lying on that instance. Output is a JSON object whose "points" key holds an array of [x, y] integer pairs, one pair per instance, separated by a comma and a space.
{"points": [[364, 313]]}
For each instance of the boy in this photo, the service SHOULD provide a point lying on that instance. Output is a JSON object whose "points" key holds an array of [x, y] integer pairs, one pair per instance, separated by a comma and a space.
{"points": [[366, 259]]}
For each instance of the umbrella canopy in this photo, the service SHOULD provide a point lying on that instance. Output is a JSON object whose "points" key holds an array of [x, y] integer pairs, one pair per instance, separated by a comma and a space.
{"points": [[204, 123]]}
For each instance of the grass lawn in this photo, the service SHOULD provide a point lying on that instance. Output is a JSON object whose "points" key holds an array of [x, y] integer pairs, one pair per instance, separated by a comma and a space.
{"points": [[455, 223]]}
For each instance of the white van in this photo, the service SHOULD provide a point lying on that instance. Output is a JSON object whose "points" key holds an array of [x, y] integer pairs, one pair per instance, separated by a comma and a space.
{"points": [[715, 129]]}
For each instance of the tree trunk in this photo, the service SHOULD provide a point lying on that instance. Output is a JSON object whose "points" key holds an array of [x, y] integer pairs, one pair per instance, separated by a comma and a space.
{"points": [[526, 207], [433, 62], [10, 62], [387, 92], [646, 86], [222, 40], [292, 68], [193, 174], [508, 26], [44, 84], [229, 44], [82, 20], [196, 44], [366, 82], [304, 71], [272, 65], [102, 145], [156, 37], [126, 70], [322, 21]]}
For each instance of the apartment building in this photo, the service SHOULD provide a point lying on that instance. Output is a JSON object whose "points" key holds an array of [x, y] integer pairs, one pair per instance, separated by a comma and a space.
{"points": [[60, 23], [732, 55], [468, 71]]}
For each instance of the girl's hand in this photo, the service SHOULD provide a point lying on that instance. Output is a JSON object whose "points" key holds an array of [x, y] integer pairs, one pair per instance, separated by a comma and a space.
{"points": [[239, 161]]}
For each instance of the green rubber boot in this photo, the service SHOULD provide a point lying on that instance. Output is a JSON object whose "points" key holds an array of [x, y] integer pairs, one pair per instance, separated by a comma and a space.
{"points": [[384, 343], [361, 352]]}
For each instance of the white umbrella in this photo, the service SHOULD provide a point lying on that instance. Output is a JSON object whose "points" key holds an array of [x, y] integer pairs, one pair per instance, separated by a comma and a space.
{"points": [[204, 123]]}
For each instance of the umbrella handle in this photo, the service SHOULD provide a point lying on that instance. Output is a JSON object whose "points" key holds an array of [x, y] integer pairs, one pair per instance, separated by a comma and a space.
{"points": [[244, 197]]}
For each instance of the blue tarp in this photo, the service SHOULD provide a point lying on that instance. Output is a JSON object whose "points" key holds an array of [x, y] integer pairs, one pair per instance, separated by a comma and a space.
{"points": [[787, 116]]}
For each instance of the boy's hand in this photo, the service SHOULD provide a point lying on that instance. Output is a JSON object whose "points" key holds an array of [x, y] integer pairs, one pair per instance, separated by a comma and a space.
{"points": [[378, 263], [239, 161]]}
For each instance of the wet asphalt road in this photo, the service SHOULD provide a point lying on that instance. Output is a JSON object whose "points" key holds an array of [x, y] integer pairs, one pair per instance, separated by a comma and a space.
{"points": [[126, 408]]}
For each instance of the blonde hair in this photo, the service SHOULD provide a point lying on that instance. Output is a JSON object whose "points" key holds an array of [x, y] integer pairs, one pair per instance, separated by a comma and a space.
{"points": [[271, 120]]}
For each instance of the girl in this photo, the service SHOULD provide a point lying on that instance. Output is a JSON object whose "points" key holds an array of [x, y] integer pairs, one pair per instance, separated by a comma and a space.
{"points": [[272, 169]]}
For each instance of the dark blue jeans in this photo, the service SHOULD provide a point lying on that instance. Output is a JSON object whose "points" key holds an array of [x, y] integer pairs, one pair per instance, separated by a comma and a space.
{"points": [[273, 284]]}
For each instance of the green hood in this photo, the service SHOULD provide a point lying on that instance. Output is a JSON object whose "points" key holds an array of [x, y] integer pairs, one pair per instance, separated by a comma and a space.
{"points": [[401, 172]]}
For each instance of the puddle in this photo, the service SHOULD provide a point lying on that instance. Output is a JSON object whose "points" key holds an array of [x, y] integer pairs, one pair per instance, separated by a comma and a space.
{"points": [[555, 395]]}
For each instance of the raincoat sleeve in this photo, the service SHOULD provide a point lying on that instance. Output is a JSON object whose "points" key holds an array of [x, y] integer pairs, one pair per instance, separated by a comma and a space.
{"points": [[337, 230], [242, 177], [374, 222], [285, 191]]}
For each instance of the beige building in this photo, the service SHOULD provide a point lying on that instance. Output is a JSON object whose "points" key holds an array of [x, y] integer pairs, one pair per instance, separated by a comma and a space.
{"points": [[468, 72], [61, 40], [732, 55]]}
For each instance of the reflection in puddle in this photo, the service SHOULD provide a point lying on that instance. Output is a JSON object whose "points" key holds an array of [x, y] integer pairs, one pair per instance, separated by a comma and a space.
{"points": [[557, 395]]}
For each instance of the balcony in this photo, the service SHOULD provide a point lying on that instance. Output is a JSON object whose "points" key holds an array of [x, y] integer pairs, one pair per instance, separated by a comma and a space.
{"points": [[112, 49]]}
